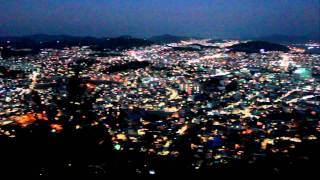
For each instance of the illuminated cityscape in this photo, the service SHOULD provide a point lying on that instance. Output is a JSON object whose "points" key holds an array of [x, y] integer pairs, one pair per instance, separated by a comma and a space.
{"points": [[101, 107], [218, 105]]}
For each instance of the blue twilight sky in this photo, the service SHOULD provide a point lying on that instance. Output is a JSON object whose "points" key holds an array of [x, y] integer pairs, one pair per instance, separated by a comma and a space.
{"points": [[144, 18]]}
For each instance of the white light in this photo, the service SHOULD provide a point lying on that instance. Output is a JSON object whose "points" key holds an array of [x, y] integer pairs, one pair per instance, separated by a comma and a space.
{"points": [[152, 172]]}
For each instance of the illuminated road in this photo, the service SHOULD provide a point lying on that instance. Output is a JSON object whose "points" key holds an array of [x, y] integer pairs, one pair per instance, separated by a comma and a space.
{"points": [[286, 95]]}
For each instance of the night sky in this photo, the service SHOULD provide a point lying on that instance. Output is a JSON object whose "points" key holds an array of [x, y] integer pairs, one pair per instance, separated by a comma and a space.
{"points": [[145, 18]]}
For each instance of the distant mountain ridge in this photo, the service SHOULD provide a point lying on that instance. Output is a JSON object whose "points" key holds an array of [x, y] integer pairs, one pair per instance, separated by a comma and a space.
{"points": [[165, 38], [51, 38], [12, 44], [168, 38], [42, 41]]}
